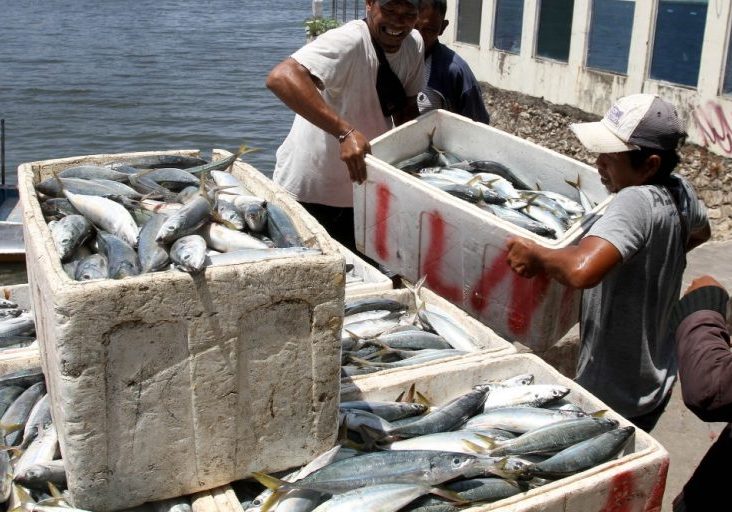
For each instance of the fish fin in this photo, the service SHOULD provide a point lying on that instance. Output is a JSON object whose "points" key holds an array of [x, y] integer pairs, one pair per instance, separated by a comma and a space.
{"points": [[599, 413], [271, 502], [410, 393], [244, 149], [270, 482], [448, 494], [487, 440], [216, 216], [55, 492], [500, 469], [371, 436], [474, 181], [9, 428], [421, 399], [473, 447], [361, 362], [353, 335], [399, 397]]}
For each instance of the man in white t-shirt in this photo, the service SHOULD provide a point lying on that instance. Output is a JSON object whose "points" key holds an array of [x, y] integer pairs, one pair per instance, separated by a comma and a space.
{"points": [[331, 84]]}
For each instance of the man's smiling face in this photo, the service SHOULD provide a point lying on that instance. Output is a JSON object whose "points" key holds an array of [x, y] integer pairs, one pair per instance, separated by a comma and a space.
{"points": [[391, 23]]}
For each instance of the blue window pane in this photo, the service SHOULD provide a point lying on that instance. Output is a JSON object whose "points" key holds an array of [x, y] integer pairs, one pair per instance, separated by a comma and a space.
{"points": [[555, 29], [611, 27], [468, 28], [509, 19], [678, 41], [727, 86]]}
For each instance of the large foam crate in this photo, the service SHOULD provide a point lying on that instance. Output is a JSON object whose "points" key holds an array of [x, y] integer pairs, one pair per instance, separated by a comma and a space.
{"points": [[486, 341], [634, 482], [417, 230], [168, 383]]}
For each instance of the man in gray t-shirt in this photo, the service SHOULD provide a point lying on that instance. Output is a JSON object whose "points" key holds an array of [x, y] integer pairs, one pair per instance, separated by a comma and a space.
{"points": [[631, 260]]}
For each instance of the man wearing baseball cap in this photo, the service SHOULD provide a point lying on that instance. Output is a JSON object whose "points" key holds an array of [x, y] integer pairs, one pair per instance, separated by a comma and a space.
{"points": [[630, 262], [348, 86]]}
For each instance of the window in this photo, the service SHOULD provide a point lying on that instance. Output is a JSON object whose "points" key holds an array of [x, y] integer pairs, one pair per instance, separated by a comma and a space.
{"points": [[555, 29], [678, 41], [468, 22], [611, 27], [727, 86], [508, 21]]}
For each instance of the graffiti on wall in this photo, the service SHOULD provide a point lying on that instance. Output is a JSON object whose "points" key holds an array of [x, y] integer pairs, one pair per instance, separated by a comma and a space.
{"points": [[713, 125]]}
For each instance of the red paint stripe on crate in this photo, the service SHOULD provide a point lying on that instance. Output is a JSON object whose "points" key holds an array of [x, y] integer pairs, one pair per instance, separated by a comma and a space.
{"points": [[655, 499], [620, 495], [526, 297], [432, 267], [493, 275], [383, 206]]}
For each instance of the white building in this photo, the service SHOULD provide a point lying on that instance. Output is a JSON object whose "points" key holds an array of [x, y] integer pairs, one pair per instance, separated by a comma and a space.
{"points": [[586, 53]]}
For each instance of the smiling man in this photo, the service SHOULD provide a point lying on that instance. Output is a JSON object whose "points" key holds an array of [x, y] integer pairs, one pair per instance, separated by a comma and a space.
{"points": [[631, 260], [348, 86]]}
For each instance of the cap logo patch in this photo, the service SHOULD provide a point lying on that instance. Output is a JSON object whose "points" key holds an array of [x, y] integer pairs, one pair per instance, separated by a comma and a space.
{"points": [[614, 114]]}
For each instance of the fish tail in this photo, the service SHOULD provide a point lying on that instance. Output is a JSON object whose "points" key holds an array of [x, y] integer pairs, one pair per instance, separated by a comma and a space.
{"points": [[421, 399], [489, 441], [270, 482], [576, 183]]}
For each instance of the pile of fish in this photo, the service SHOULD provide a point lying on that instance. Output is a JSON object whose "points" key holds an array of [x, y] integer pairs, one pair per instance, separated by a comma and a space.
{"points": [[154, 213], [494, 188], [499, 439], [380, 333]]}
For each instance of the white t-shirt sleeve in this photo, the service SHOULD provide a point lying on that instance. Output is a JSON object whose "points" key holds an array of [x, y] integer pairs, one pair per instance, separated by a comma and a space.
{"points": [[327, 58], [626, 222]]}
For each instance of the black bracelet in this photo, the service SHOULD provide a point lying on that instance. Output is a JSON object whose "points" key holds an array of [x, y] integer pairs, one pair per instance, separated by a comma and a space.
{"points": [[343, 137]]}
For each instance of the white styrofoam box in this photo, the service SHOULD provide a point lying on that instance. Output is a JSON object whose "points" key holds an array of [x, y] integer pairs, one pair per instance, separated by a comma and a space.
{"points": [[486, 340], [634, 482], [368, 278], [16, 359], [417, 230], [168, 383]]}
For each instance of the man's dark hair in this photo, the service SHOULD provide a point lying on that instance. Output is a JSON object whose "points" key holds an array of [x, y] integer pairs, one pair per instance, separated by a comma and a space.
{"points": [[669, 160], [439, 5]]}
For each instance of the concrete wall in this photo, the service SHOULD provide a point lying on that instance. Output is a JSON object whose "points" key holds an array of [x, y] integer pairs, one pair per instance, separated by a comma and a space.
{"points": [[707, 113]]}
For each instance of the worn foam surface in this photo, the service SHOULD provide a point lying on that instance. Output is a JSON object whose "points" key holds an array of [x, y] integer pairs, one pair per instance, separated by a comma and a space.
{"points": [[417, 230], [168, 383]]}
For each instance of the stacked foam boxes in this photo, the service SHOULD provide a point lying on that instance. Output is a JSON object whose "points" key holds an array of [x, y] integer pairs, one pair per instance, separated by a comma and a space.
{"points": [[484, 340], [166, 384], [635, 481], [16, 359], [417, 230], [363, 277]]}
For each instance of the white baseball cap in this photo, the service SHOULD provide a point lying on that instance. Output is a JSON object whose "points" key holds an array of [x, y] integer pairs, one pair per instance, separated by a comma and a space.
{"points": [[635, 121]]}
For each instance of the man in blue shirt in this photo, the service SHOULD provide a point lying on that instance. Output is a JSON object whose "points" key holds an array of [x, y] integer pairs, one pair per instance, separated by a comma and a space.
{"points": [[449, 82]]}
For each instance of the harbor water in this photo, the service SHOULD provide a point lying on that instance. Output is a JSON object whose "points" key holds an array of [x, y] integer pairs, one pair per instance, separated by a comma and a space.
{"points": [[82, 77]]}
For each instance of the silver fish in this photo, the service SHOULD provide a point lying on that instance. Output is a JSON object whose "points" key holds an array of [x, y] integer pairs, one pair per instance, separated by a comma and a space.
{"points": [[153, 255], [189, 253], [223, 239], [92, 267], [186, 221], [122, 259], [106, 214], [554, 437], [585, 454]]}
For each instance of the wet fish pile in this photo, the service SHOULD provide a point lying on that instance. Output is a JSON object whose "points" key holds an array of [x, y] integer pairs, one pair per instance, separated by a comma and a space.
{"points": [[493, 187], [380, 333], [17, 327], [30, 459], [499, 439], [155, 213]]}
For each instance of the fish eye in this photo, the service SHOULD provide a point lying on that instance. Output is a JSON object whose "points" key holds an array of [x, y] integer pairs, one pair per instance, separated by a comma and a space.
{"points": [[456, 461]]}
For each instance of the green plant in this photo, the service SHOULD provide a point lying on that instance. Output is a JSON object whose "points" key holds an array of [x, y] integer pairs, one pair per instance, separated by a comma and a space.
{"points": [[316, 26]]}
